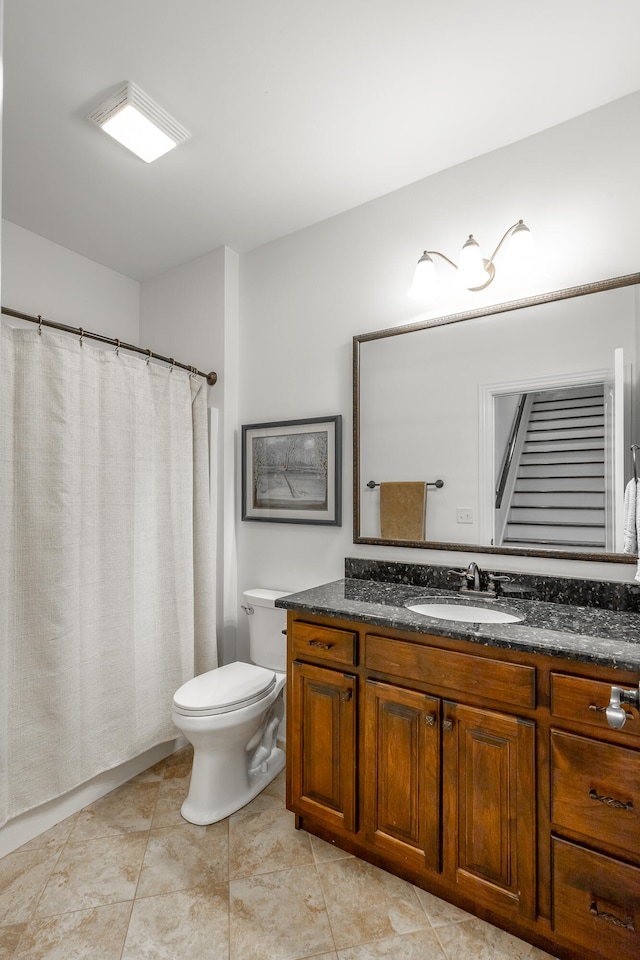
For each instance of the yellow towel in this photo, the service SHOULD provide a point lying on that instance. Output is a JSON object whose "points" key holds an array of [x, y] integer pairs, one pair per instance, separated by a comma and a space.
{"points": [[403, 508]]}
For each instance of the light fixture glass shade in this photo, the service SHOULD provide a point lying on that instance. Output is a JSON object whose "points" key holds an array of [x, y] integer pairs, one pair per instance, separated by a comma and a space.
{"points": [[425, 281], [471, 267], [521, 246], [138, 123]]}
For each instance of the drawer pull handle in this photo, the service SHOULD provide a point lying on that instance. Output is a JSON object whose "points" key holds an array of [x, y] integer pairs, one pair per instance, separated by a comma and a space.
{"points": [[320, 645], [626, 922], [610, 801]]}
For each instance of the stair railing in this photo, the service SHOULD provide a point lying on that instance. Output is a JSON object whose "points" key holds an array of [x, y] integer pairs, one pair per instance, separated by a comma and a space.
{"points": [[511, 447]]}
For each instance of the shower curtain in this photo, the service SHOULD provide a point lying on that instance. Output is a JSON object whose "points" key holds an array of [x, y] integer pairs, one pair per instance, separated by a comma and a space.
{"points": [[106, 559]]}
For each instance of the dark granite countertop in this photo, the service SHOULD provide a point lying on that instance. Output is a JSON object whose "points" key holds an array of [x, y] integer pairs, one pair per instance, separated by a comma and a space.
{"points": [[588, 634]]}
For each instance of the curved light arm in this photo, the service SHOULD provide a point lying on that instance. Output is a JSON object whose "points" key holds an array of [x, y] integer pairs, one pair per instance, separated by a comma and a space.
{"points": [[436, 253], [507, 234]]}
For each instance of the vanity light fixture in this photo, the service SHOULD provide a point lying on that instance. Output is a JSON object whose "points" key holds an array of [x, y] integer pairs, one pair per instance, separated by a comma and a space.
{"points": [[138, 123], [475, 272]]}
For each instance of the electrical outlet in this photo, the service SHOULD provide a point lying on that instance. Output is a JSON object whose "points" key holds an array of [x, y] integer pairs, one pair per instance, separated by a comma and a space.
{"points": [[464, 515]]}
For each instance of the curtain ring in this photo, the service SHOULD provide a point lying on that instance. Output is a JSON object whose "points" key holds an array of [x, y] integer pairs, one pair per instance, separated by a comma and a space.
{"points": [[173, 363], [40, 324], [149, 356], [117, 347], [81, 335]]}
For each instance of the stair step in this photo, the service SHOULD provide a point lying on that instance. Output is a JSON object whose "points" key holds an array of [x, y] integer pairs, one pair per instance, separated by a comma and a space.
{"points": [[591, 390], [561, 467], [551, 498], [534, 542], [562, 533], [554, 422], [567, 407], [560, 484], [566, 516], [547, 452], [546, 441]]}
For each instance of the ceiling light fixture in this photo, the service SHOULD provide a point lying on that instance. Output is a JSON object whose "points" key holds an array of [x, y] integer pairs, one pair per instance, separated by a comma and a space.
{"points": [[138, 123], [475, 272]]}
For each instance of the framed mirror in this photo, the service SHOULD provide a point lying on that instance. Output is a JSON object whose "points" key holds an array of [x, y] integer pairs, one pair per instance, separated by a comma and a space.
{"points": [[514, 425]]}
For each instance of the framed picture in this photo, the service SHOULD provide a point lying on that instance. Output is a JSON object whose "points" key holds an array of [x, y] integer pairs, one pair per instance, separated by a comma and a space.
{"points": [[292, 471]]}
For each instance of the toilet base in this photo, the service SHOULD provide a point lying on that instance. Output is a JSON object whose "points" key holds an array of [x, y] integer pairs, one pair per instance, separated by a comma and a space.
{"points": [[257, 780], [234, 758]]}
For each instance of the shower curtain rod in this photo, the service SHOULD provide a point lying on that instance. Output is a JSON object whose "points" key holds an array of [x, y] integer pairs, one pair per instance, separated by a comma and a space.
{"points": [[211, 378]]}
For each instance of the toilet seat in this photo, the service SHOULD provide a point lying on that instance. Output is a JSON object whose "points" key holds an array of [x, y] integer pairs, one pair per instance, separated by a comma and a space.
{"points": [[224, 689]]}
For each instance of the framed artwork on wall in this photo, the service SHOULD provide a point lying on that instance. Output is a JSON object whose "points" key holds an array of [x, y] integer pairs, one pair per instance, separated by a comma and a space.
{"points": [[292, 471]]}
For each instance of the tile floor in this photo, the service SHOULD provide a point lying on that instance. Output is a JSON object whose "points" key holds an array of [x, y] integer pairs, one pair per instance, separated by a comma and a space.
{"points": [[127, 879]]}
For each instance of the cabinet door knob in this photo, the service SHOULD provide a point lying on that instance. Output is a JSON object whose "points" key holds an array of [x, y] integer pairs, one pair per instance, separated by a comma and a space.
{"points": [[447, 725], [347, 694], [430, 719]]}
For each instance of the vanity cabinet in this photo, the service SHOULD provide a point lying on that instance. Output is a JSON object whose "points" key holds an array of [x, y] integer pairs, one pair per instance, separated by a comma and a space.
{"points": [[401, 774], [595, 819], [321, 735], [488, 777], [488, 807]]}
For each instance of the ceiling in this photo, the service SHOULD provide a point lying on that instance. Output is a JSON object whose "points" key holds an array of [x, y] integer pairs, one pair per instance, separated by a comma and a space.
{"points": [[298, 110]]}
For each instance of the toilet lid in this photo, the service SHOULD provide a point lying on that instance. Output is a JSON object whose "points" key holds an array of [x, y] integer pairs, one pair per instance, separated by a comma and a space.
{"points": [[223, 689]]}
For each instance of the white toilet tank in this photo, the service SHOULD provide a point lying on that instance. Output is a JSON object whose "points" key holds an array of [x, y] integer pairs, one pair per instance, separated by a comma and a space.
{"points": [[267, 642]]}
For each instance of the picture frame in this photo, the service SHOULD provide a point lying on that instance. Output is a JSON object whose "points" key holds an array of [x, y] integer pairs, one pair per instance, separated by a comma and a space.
{"points": [[292, 471]]}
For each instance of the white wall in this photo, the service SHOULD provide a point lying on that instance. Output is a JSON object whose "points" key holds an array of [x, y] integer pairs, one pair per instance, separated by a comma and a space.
{"points": [[191, 313], [42, 278], [304, 297]]}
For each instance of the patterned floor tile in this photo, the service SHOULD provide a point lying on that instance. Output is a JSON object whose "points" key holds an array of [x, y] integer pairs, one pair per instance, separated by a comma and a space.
{"points": [[278, 916], [365, 903], [23, 877], [187, 925], [263, 838], [184, 856], [128, 809], [93, 873], [98, 932]]}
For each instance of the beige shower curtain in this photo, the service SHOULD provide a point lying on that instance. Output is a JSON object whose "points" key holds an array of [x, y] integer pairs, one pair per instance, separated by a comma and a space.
{"points": [[106, 559]]}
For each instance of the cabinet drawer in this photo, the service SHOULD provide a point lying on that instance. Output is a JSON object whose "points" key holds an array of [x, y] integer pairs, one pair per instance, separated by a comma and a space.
{"points": [[323, 643], [585, 701], [595, 790], [509, 683], [596, 901]]}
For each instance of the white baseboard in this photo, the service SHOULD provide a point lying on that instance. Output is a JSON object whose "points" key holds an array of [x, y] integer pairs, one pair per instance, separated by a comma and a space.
{"points": [[31, 824]]}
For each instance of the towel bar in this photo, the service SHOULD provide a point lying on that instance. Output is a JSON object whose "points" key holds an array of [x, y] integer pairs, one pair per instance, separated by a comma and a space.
{"points": [[430, 483]]}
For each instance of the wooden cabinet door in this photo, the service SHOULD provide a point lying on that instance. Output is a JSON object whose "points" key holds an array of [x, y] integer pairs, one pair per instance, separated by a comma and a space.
{"points": [[402, 774], [322, 704], [489, 806]]}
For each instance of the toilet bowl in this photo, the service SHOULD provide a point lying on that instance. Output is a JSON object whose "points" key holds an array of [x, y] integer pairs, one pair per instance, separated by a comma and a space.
{"points": [[232, 715]]}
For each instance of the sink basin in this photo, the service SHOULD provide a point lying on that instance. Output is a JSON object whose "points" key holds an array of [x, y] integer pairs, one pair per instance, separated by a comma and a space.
{"points": [[463, 612]]}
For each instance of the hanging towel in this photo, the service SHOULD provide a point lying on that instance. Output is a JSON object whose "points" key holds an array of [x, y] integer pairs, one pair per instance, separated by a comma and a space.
{"points": [[403, 508], [632, 521]]}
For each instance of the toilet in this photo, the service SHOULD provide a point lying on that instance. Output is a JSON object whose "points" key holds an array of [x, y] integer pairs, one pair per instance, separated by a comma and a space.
{"points": [[232, 716]]}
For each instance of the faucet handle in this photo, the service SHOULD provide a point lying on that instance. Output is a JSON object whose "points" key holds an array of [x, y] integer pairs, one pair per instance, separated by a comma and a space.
{"points": [[460, 574]]}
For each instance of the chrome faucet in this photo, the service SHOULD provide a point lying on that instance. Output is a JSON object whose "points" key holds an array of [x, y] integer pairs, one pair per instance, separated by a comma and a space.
{"points": [[475, 580], [473, 575]]}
